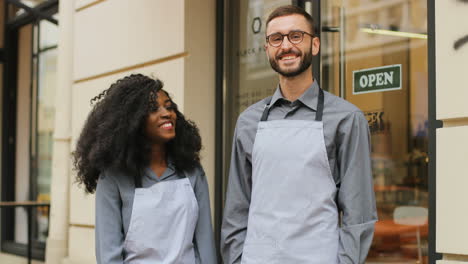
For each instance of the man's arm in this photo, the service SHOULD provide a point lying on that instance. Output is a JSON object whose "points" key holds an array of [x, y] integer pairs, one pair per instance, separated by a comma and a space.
{"points": [[236, 210], [356, 197]]}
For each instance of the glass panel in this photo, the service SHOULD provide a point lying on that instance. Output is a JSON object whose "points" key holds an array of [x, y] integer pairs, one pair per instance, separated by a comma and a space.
{"points": [[29, 3], [249, 75], [12, 11], [382, 34], [330, 47], [44, 134], [49, 35], [35, 125]]}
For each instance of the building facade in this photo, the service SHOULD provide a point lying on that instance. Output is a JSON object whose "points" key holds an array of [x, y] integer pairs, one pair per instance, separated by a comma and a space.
{"points": [[400, 61]]}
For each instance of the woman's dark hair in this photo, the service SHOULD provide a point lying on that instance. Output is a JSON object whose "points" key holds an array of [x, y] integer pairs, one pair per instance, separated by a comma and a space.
{"points": [[113, 135]]}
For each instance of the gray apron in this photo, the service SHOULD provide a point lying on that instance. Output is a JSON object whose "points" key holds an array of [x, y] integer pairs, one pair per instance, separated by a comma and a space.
{"points": [[162, 224], [293, 217]]}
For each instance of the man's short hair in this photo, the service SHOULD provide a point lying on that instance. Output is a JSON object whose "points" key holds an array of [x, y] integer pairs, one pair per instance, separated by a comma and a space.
{"points": [[291, 10]]}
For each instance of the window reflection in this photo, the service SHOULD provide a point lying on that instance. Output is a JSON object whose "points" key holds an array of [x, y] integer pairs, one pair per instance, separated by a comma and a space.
{"points": [[381, 33], [36, 120], [249, 75], [44, 133]]}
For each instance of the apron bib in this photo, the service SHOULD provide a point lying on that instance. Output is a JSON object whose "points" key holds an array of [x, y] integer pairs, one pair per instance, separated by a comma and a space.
{"points": [[293, 217], [162, 224]]}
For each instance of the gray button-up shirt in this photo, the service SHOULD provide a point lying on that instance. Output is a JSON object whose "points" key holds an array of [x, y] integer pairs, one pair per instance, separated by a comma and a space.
{"points": [[114, 203], [347, 141]]}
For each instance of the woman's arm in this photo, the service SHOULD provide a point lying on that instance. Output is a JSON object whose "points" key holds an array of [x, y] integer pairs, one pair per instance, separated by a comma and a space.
{"points": [[109, 228], [203, 238]]}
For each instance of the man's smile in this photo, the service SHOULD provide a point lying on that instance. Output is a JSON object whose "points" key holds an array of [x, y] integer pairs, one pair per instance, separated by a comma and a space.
{"points": [[289, 58]]}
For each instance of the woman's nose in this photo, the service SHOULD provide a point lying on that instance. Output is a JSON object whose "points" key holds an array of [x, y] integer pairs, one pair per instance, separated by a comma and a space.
{"points": [[166, 113]]}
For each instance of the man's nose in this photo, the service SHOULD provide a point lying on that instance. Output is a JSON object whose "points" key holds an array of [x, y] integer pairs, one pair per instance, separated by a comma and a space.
{"points": [[286, 44]]}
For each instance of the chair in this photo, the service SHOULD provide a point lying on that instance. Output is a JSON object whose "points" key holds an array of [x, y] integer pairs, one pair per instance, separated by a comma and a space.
{"points": [[412, 216]]}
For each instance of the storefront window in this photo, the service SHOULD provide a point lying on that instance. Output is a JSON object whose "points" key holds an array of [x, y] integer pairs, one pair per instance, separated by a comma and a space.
{"points": [[45, 114], [249, 77], [35, 120], [373, 54], [379, 63], [27, 4]]}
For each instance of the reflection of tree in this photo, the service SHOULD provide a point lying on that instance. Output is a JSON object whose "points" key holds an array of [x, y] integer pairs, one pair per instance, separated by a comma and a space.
{"points": [[463, 40], [460, 42]]}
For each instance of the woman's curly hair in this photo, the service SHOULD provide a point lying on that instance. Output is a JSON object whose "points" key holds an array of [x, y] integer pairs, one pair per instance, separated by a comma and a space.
{"points": [[113, 135]]}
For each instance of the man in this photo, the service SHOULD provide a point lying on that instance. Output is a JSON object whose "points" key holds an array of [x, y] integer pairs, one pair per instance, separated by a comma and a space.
{"points": [[300, 164]]}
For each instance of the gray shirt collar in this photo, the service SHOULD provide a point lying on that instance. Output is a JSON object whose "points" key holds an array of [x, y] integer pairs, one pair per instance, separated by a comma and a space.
{"points": [[308, 98], [170, 170]]}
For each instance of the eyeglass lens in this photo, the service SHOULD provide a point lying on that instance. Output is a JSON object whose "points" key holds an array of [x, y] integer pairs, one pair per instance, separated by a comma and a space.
{"points": [[294, 37]]}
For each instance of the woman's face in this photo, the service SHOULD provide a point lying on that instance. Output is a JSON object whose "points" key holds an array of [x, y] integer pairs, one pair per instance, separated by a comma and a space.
{"points": [[160, 124]]}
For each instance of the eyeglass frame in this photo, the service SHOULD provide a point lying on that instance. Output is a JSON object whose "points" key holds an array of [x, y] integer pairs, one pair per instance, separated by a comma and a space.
{"points": [[287, 35]]}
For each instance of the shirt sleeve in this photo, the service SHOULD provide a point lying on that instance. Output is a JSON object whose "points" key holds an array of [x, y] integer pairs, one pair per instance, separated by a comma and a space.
{"points": [[109, 229], [356, 199], [236, 210], [205, 251]]}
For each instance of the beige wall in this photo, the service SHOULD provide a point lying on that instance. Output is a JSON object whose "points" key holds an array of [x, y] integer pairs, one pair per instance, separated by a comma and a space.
{"points": [[172, 40], [13, 259], [200, 68], [452, 146]]}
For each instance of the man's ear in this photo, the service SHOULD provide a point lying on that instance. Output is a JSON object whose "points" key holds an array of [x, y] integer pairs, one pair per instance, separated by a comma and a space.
{"points": [[315, 46]]}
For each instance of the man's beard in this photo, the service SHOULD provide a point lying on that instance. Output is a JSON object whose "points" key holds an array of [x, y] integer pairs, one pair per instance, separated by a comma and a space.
{"points": [[305, 64]]}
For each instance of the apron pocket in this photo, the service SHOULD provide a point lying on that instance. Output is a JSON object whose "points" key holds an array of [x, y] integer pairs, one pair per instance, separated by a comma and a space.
{"points": [[259, 252], [322, 250]]}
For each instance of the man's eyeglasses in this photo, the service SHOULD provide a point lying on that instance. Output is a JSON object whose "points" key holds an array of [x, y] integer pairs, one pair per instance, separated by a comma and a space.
{"points": [[295, 37]]}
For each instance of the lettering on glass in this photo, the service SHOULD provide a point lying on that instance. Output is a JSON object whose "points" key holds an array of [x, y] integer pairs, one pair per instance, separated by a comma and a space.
{"points": [[258, 40], [256, 25], [376, 121]]}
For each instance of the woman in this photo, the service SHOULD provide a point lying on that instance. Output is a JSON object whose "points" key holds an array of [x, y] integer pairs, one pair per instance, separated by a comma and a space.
{"points": [[141, 156]]}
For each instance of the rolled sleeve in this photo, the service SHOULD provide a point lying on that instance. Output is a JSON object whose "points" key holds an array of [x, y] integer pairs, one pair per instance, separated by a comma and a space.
{"points": [[203, 239], [109, 228], [236, 210], [356, 199]]}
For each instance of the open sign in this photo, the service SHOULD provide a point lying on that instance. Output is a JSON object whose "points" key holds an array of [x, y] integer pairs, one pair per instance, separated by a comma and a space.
{"points": [[377, 79]]}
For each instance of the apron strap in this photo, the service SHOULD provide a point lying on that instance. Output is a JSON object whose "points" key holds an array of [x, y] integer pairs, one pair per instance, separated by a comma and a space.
{"points": [[266, 111], [318, 115]]}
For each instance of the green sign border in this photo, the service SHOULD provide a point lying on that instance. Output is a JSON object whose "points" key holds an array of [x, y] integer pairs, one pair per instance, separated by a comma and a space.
{"points": [[381, 89]]}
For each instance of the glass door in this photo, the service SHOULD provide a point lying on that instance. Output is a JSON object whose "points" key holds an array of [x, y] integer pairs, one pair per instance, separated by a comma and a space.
{"points": [[374, 54], [249, 77]]}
